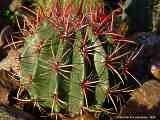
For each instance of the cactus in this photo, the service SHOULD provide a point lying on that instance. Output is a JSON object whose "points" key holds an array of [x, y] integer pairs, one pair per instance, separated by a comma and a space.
{"points": [[67, 55]]}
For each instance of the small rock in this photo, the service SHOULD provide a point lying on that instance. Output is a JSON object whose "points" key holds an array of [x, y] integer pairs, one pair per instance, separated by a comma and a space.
{"points": [[87, 116], [145, 101], [6, 35], [10, 61], [11, 113], [155, 66], [155, 70], [7, 85]]}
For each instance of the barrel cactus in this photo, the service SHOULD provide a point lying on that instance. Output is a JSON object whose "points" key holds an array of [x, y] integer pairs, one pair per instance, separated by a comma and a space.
{"points": [[68, 52]]}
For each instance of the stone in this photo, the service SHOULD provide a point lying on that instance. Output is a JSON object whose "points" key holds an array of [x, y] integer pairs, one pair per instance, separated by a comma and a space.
{"points": [[145, 101]]}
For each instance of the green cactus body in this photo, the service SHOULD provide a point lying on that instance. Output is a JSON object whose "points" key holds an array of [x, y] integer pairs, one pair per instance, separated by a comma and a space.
{"points": [[35, 65], [102, 71], [47, 69], [77, 75], [64, 66]]}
